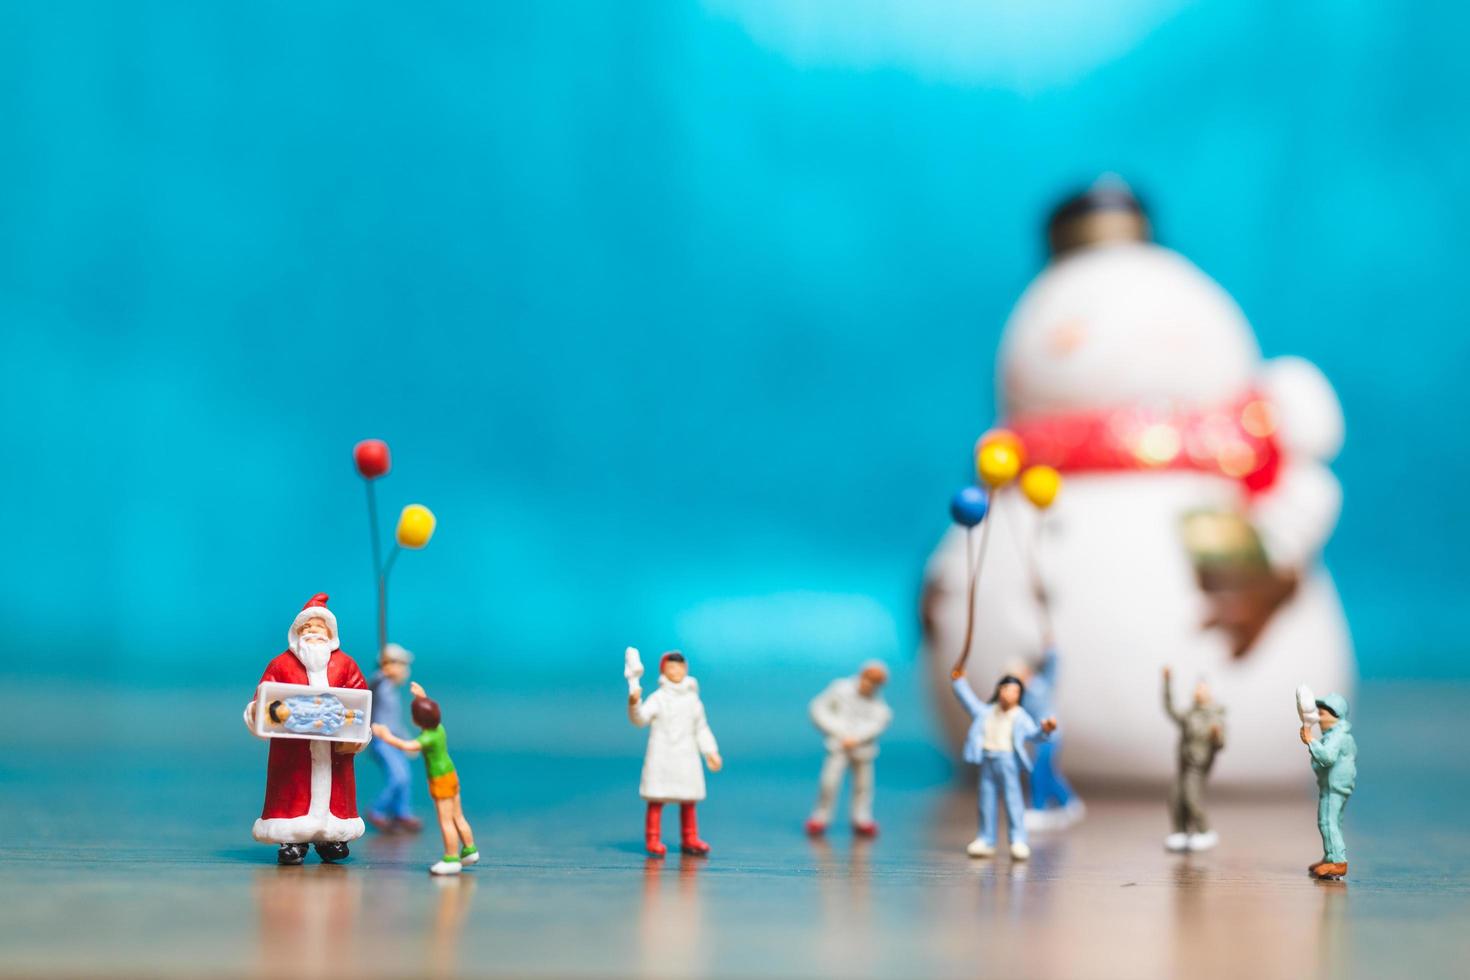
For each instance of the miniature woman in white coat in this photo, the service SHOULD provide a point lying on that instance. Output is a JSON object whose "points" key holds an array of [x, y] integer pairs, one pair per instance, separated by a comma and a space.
{"points": [[678, 735]]}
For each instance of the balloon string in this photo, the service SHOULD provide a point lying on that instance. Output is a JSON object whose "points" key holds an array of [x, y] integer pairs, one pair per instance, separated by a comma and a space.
{"points": [[383, 598], [372, 501], [1042, 599], [974, 565]]}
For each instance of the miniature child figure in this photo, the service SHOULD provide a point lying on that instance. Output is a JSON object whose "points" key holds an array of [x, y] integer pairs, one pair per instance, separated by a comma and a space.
{"points": [[851, 714], [459, 838], [392, 810], [678, 735], [1201, 736], [999, 731], [1054, 804], [311, 714], [1335, 761], [310, 792]]}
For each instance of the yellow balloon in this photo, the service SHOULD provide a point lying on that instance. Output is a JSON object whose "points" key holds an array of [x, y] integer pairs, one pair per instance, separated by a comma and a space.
{"points": [[1002, 437], [997, 464], [1040, 485], [415, 526]]}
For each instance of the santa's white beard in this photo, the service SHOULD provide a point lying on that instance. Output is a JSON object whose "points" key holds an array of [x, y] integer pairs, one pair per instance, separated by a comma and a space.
{"points": [[313, 654]]}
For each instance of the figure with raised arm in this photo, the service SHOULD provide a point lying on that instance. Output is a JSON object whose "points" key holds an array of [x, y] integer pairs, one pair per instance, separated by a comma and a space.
{"points": [[1201, 737], [680, 745], [996, 742]]}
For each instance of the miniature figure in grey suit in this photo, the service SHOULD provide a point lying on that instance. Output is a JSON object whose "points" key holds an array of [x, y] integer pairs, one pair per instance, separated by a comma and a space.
{"points": [[1335, 761], [1201, 736], [996, 742]]}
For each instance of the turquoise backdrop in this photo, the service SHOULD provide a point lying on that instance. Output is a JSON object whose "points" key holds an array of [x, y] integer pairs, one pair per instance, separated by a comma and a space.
{"points": [[680, 316]]}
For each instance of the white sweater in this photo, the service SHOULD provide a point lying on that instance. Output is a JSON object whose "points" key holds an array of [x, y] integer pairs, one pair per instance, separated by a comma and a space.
{"points": [[841, 712]]}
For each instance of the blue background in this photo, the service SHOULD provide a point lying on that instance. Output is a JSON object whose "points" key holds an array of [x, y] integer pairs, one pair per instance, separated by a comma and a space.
{"points": [[681, 317]]}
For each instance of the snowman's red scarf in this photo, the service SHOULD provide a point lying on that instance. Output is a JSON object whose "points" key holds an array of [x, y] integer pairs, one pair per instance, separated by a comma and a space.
{"points": [[1236, 439]]}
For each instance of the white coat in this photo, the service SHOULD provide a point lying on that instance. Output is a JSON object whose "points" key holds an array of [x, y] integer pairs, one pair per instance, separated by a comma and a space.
{"points": [[678, 738], [841, 712]]}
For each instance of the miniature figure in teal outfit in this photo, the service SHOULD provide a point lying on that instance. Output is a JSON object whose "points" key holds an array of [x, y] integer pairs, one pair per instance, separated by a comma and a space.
{"points": [[996, 743], [1335, 761]]}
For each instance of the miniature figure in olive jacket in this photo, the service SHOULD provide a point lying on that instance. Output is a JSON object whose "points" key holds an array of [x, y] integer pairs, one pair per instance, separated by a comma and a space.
{"points": [[1201, 736]]}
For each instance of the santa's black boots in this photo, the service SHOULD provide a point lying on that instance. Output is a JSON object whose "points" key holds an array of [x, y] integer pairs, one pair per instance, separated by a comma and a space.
{"points": [[291, 854], [330, 851]]}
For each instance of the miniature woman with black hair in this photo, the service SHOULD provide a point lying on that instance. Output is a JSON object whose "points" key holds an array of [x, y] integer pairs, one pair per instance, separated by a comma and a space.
{"points": [[996, 742], [459, 839], [679, 737]]}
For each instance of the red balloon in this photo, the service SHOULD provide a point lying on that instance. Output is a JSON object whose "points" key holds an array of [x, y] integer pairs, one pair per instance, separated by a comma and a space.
{"points": [[371, 457]]}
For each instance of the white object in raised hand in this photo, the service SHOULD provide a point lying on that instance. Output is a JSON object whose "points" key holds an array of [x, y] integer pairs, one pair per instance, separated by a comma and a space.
{"points": [[1306, 706], [632, 669]]}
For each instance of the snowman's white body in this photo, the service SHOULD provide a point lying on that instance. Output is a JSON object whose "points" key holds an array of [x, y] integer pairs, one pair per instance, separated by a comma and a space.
{"points": [[1136, 324]]}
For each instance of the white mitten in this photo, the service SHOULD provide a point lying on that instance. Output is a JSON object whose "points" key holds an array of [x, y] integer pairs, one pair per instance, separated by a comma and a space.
{"points": [[1306, 706], [632, 669]]}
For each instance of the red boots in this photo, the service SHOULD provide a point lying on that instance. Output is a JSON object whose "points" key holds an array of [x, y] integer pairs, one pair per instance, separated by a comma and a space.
{"points": [[652, 822], [689, 841]]}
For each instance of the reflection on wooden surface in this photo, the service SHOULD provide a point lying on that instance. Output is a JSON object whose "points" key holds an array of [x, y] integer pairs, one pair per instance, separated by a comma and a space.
{"points": [[307, 921]]}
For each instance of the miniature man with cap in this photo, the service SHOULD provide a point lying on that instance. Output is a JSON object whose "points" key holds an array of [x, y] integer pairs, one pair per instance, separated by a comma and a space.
{"points": [[850, 714], [996, 742], [310, 790], [678, 735], [393, 809], [1201, 736], [1335, 761]]}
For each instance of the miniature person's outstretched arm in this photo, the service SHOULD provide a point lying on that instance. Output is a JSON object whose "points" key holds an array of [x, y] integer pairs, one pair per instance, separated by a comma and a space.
{"points": [[968, 698], [1169, 708], [640, 711], [1033, 731], [705, 740], [1047, 670], [404, 744]]}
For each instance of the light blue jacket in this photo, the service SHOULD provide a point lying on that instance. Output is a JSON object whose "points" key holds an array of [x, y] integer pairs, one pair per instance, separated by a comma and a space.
{"points": [[1335, 754], [1023, 727]]}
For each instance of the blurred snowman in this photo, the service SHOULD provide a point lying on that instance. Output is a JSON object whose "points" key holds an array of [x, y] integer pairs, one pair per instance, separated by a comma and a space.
{"points": [[1197, 503]]}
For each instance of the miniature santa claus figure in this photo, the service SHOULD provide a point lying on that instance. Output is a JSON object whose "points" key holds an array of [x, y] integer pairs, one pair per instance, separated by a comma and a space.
{"points": [[1198, 501], [310, 792], [678, 736]]}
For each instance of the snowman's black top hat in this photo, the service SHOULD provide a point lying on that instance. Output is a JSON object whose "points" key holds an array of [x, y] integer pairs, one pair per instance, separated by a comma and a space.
{"points": [[1108, 211]]}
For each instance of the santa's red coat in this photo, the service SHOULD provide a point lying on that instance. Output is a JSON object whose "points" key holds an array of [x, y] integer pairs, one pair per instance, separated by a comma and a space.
{"points": [[310, 790]]}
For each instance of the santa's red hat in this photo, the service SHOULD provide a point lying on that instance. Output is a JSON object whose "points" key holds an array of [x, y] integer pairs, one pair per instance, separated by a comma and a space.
{"points": [[315, 608]]}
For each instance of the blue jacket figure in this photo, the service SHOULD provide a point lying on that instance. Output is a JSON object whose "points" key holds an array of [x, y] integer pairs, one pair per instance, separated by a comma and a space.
{"points": [[1335, 761], [393, 809], [1053, 802], [996, 742]]}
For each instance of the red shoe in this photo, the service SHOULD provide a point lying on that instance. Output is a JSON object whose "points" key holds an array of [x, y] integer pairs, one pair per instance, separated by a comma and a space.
{"points": [[409, 825], [869, 829], [381, 824], [689, 841], [653, 830], [815, 828]]}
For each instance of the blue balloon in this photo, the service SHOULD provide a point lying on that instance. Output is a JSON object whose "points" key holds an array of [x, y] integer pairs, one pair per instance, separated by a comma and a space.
{"points": [[968, 507]]}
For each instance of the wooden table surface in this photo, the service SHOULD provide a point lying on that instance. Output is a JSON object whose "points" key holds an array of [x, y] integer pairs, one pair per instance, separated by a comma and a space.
{"points": [[135, 859]]}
